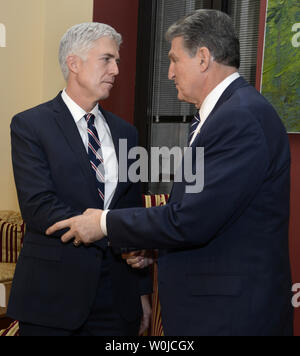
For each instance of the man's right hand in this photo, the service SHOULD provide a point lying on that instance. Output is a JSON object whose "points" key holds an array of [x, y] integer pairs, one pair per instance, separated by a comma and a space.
{"points": [[84, 228]]}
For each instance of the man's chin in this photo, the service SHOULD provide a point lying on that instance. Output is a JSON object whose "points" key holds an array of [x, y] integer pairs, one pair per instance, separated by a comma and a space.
{"points": [[185, 99], [181, 97], [103, 96]]}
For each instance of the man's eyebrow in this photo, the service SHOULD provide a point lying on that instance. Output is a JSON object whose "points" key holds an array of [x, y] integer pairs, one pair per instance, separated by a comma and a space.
{"points": [[171, 55], [110, 55]]}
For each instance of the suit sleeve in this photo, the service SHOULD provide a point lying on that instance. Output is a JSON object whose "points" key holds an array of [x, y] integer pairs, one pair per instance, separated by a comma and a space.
{"points": [[145, 279], [236, 159], [39, 204]]}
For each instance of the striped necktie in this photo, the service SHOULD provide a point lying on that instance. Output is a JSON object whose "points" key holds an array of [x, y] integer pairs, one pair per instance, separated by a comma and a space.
{"points": [[194, 125], [95, 155]]}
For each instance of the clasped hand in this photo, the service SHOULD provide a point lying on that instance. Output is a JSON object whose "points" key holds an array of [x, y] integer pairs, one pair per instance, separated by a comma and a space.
{"points": [[140, 259], [86, 229]]}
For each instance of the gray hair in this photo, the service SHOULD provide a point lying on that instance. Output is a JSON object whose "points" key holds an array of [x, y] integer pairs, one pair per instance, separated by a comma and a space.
{"points": [[211, 29], [81, 38]]}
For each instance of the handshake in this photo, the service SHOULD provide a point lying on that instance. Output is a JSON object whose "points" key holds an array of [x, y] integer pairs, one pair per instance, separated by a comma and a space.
{"points": [[86, 229]]}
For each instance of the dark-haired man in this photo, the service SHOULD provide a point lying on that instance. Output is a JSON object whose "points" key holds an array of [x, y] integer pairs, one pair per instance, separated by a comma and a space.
{"points": [[224, 258]]}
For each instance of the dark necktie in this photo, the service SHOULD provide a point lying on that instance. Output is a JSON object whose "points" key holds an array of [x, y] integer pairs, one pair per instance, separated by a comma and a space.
{"points": [[96, 156], [194, 125]]}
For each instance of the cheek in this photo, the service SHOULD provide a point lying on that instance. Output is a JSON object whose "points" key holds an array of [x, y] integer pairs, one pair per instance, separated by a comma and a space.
{"points": [[86, 75], [183, 76], [93, 72], [190, 80], [187, 87], [184, 84]]}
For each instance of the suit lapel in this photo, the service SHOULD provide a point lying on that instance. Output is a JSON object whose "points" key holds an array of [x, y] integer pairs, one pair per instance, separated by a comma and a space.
{"points": [[69, 128], [238, 83]]}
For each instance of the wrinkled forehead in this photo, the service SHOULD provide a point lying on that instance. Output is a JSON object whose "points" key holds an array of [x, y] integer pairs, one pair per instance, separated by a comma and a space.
{"points": [[106, 45], [107, 42], [177, 47]]}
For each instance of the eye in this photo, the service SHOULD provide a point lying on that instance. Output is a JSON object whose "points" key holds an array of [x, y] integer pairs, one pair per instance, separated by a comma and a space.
{"points": [[172, 59]]}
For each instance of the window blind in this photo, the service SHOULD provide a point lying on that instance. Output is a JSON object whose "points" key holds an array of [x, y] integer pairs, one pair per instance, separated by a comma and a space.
{"points": [[245, 15]]}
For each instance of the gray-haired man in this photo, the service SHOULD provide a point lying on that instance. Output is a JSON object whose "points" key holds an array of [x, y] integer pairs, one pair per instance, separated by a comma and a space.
{"points": [[65, 160]]}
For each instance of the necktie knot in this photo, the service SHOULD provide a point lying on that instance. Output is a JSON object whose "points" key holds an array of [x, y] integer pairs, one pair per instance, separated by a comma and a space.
{"points": [[196, 119], [194, 125], [90, 119]]}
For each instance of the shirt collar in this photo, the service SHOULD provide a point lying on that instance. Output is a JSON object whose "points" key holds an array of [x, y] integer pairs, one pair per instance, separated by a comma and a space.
{"points": [[214, 96], [77, 111]]}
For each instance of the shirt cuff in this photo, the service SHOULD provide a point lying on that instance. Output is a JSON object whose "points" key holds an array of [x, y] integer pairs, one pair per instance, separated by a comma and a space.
{"points": [[103, 222]]}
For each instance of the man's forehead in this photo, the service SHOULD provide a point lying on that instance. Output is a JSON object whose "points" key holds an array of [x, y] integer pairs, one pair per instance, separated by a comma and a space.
{"points": [[177, 41], [176, 44], [107, 45], [177, 48], [107, 41]]}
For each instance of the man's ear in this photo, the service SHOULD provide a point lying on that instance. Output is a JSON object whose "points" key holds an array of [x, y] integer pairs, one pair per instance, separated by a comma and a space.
{"points": [[73, 63], [204, 58]]}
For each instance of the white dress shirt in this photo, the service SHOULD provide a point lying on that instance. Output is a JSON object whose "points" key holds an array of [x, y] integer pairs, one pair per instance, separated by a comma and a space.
{"points": [[108, 148], [211, 100], [206, 108]]}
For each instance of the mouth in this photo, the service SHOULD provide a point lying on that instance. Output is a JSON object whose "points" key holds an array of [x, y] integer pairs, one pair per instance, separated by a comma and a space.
{"points": [[109, 82]]}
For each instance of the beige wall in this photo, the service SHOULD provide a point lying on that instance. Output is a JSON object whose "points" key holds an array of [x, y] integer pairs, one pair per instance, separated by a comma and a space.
{"points": [[29, 69]]}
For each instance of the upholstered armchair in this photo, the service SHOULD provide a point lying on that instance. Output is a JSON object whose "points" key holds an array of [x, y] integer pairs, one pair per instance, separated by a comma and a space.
{"points": [[12, 229]]}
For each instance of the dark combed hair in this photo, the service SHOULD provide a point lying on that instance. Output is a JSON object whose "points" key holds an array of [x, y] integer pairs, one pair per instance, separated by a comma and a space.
{"points": [[211, 29]]}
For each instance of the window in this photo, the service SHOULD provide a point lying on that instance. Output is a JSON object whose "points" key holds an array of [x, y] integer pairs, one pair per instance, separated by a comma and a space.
{"points": [[168, 119]]}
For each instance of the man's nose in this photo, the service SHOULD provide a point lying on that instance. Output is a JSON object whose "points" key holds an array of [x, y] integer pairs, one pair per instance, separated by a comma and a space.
{"points": [[115, 68], [171, 74]]}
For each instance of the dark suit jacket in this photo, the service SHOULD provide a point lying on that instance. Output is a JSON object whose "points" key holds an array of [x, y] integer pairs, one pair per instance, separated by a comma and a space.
{"points": [[224, 263], [55, 284]]}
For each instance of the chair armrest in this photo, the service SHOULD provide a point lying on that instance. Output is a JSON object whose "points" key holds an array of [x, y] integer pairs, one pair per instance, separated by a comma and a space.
{"points": [[7, 271], [12, 229]]}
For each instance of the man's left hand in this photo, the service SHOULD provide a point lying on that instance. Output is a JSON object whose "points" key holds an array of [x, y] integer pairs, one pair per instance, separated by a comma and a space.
{"points": [[84, 228], [140, 259]]}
